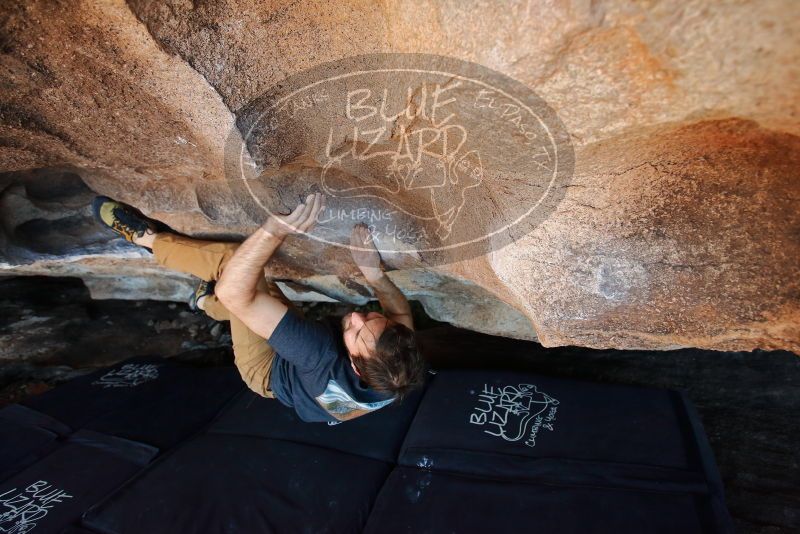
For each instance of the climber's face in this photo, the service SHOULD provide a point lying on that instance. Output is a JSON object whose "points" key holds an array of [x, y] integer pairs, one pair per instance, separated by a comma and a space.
{"points": [[361, 332]]}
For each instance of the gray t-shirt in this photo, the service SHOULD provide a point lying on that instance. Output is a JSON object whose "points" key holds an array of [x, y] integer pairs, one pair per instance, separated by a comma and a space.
{"points": [[312, 372]]}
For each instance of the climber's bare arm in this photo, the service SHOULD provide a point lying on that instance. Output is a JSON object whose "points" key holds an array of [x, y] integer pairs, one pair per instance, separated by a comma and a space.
{"points": [[394, 303], [237, 290], [237, 287]]}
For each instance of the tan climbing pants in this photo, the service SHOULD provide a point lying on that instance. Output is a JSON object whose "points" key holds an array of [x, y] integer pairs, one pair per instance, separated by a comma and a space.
{"points": [[206, 260]]}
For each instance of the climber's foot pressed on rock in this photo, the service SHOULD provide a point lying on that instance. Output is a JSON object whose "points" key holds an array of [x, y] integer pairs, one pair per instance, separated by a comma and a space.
{"points": [[125, 220], [203, 290]]}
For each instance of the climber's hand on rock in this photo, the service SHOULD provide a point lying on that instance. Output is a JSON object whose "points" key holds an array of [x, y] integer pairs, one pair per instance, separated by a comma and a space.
{"points": [[366, 256], [299, 221]]}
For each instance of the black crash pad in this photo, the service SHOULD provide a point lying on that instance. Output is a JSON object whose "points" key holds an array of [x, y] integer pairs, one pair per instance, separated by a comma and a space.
{"points": [[84, 399], [377, 435], [52, 494], [500, 423], [522, 428], [227, 483], [77, 530], [149, 400], [25, 436], [419, 501], [482, 451]]}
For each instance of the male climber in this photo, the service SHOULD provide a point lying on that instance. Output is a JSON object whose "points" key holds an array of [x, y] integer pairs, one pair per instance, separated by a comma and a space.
{"points": [[324, 374]]}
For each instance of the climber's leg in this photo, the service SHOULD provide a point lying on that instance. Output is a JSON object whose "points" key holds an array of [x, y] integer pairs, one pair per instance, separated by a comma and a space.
{"points": [[253, 355], [215, 309], [204, 259]]}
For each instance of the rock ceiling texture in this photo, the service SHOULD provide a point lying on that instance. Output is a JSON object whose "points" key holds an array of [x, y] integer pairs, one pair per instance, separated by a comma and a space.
{"points": [[680, 226]]}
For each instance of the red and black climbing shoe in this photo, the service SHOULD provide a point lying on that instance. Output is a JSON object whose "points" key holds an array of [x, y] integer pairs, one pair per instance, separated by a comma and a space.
{"points": [[203, 290], [121, 218]]}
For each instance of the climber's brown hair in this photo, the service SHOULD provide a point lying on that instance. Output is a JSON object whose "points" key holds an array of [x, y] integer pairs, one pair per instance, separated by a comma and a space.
{"points": [[397, 366]]}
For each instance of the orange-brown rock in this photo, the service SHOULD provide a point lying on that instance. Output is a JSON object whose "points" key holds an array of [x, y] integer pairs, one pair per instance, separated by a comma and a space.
{"points": [[679, 228]]}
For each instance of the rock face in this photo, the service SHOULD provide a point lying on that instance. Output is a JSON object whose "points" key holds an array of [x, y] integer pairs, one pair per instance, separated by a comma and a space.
{"points": [[680, 226]]}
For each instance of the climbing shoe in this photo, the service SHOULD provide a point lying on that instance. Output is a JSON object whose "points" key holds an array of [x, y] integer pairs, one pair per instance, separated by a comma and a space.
{"points": [[203, 290], [121, 218]]}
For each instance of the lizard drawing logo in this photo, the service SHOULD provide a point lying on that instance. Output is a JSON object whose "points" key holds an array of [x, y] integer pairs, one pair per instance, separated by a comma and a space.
{"points": [[514, 413], [443, 159], [402, 154]]}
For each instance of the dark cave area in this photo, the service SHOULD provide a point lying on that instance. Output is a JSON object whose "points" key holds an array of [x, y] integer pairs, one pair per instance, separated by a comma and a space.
{"points": [[748, 401]]}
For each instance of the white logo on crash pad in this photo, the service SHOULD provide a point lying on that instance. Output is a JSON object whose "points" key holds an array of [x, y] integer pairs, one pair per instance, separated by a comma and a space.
{"points": [[21, 510], [128, 376], [514, 413]]}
